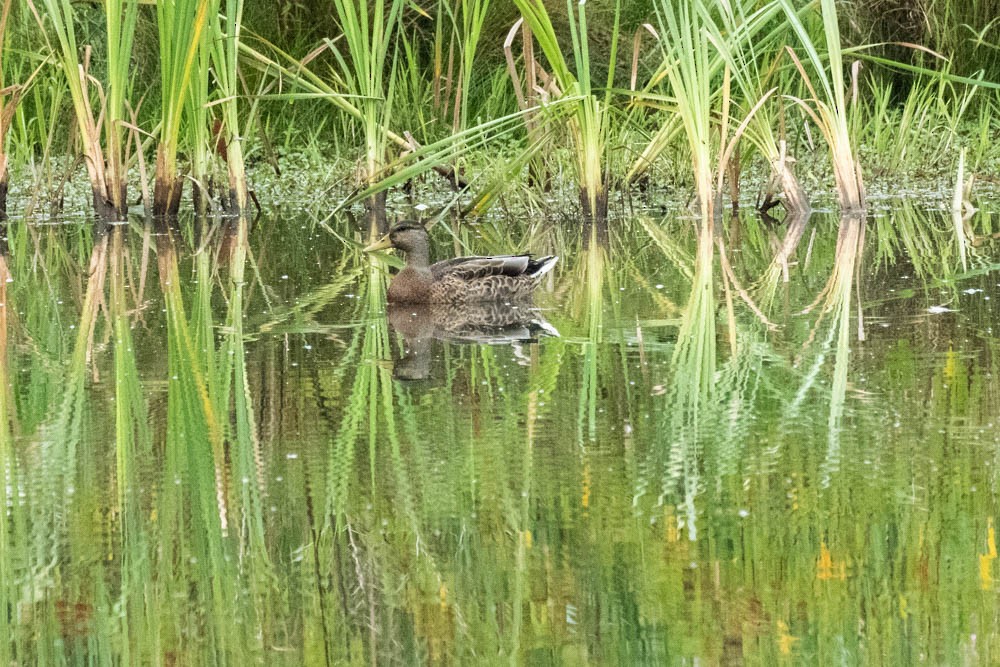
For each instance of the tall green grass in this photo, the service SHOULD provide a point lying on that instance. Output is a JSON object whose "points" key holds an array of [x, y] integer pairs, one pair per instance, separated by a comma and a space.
{"points": [[748, 39], [404, 73], [367, 69], [9, 98], [234, 127], [828, 106], [182, 26], [105, 161], [589, 116], [467, 19]]}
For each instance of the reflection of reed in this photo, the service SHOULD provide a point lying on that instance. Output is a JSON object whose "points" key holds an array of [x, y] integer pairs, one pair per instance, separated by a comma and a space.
{"points": [[193, 506], [132, 434], [191, 417], [835, 299], [588, 304], [707, 409], [777, 270], [66, 430], [10, 511], [915, 236], [234, 398]]}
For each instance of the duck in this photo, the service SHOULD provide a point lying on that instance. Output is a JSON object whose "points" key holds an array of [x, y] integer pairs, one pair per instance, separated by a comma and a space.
{"points": [[460, 280]]}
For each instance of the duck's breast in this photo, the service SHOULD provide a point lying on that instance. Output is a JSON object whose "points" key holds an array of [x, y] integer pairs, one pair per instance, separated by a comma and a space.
{"points": [[410, 286]]}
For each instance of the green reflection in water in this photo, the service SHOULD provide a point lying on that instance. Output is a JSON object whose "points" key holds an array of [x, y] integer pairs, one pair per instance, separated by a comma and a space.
{"points": [[243, 459]]}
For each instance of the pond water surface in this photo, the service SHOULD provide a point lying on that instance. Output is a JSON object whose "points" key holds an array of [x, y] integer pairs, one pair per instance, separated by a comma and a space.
{"points": [[777, 447]]}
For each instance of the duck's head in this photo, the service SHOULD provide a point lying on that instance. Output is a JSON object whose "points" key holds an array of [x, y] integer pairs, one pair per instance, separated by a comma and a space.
{"points": [[407, 236]]}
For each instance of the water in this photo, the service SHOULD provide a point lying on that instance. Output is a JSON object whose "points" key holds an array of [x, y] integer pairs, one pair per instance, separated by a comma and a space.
{"points": [[219, 449]]}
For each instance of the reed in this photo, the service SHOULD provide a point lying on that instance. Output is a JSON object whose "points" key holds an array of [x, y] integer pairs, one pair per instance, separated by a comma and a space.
{"points": [[225, 50], [828, 106], [467, 18], [106, 162], [9, 98], [367, 72], [198, 130], [182, 26], [747, 41], [214, 131], [700, 51], [687, 54], [589, 115]]}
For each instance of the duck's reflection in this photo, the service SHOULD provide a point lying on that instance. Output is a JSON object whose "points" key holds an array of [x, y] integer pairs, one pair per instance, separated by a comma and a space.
{"points": [[482, 324]]}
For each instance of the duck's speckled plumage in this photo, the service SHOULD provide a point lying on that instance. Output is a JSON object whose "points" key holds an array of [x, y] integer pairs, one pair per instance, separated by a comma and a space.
{"points": [[460, 280]]}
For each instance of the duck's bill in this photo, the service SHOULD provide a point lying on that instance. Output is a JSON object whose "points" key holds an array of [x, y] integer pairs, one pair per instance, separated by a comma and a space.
{"points": [[382, 244]]}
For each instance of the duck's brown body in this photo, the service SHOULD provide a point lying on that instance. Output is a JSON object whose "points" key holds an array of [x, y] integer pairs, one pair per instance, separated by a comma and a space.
{"points": [[411, 285], [510, 278]]}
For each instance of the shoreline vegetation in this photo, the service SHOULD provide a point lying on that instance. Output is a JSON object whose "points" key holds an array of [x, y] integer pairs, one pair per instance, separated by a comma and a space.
{"points": [[179, 105]]}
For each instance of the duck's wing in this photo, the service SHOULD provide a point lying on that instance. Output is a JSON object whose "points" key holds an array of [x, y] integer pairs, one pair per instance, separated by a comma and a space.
{"points": [[472, 268]]}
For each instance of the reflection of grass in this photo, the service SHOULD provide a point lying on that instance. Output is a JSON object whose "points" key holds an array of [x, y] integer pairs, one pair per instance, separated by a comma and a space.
{"points": [[194, 512], [835, 298], [133, 444], [245, 452], [67, 430], [132, 434], [592, 302], [778, 269], [477, 522], [8, 557]]}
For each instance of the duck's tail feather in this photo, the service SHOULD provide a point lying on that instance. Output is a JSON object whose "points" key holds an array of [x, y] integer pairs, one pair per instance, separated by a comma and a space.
{"points": [[539, 267]]}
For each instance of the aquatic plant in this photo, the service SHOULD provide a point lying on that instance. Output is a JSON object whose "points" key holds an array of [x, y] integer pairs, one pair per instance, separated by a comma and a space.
{"points": [[182, 26], [231, 133], [589, 115], [467, 18], [9, 98], [214, 129], [828, 106], [366, 72], [703, 48], [697, 93], [106, 161], [744, 38]]}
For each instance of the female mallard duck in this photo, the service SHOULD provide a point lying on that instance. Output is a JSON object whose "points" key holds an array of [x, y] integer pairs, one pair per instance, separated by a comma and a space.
{"points": [[458, 280]]}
